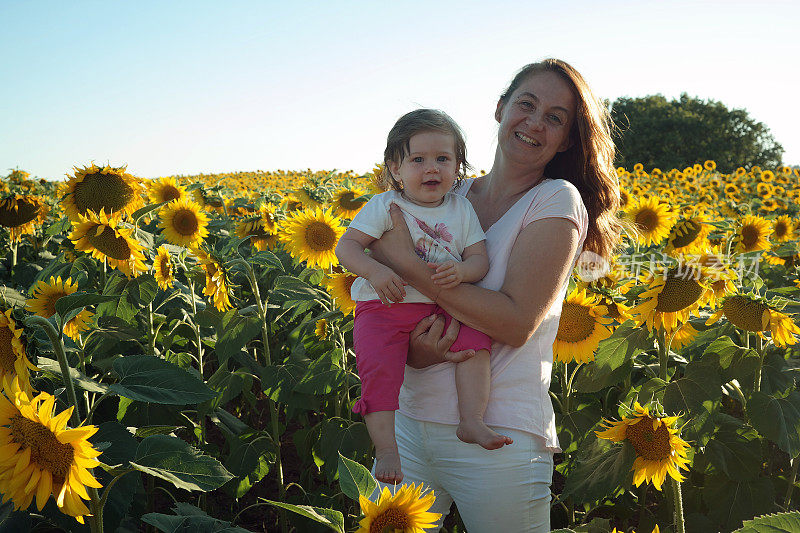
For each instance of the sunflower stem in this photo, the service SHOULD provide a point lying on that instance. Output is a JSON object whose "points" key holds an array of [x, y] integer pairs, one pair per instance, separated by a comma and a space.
{"points": [[677, 501], [761, 349], [663, 354], [642, 504], [343, 346], [13, 253], [199, 343], [565, 385], [787, 500]]}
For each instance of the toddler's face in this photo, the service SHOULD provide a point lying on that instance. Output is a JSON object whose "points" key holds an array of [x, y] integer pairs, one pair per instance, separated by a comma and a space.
{"points": [[429, 169]]}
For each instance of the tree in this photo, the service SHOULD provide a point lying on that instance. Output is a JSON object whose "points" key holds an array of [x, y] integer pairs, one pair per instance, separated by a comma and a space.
{"points": [[678, 133]]}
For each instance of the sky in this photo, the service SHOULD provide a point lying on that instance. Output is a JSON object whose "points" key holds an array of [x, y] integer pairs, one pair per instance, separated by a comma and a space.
{"points": [[184, 87]]}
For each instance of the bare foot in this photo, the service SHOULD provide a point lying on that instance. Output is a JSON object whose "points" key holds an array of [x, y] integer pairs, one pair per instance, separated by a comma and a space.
{"points": [[387, 466], [473, 430]]}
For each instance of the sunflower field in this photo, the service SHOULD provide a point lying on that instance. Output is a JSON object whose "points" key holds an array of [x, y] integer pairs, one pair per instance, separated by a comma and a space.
{"points": [[177, 353]]}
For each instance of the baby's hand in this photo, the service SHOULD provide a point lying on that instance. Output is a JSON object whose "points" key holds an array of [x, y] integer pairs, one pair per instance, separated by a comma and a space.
{"points": [[448, 274], [387, 284]]}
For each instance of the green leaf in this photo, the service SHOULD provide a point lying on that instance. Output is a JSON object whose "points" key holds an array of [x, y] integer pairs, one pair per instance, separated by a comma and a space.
{"points": [[189, 519], [329, 517], [340, 436], [322, 377], [777, 419], [133, 295], [773, 523], [354, 479], [737, 453], [69, 306], [736, 362], [575, 425], [614, 358], [729, 502], [267, 259], [11, 298], [78, 378], [696, 390], [146, 209], [173, 460], [58, 227], [235, 332], [603, 468], [776, 377], [249, 460], [150, 379], [146, 431]]}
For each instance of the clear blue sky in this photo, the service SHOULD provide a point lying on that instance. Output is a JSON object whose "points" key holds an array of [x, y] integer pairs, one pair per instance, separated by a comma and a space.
{"points": [[186, 87]]}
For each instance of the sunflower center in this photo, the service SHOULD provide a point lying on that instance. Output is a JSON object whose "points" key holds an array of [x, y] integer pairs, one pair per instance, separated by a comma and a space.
{"points": [[16, 213], [348, 201], [647, 219], [781, 229], [678, 294], [102, 191], [49, 304], [108, 243], [389, 519], [576, 323], [165, 268], [169, 193], [46, 451], [745, 313], [691, 230], [7, 355], [320, 237], [649, 443], [750, 236], [185, 222]]}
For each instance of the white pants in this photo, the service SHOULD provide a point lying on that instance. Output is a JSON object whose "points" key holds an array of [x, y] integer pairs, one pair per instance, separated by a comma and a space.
{"points": [[495, 490]]}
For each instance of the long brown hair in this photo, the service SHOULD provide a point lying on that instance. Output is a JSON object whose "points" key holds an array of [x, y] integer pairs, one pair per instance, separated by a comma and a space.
{"points": [[589, 161]]}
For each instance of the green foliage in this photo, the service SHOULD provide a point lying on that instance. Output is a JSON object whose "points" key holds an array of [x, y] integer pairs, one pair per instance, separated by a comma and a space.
{"points": [[666, 134], [174, 460]]}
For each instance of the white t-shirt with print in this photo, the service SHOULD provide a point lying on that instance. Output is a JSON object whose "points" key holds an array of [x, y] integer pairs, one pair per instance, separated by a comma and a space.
{"points": [[439, 233]]}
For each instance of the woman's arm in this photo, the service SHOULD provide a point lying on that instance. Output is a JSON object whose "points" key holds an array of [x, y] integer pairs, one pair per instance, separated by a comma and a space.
{"points": [[540, 262]]}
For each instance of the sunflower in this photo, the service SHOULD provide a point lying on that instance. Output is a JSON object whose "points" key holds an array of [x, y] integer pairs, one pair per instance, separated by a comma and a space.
{"points": [[659, 448], [41, 457], [672, 297], [310, 198], [689, 235], [783, 229], [751, 313], [321, 329], [721, 276], [376, 180], [164, 269], [311, 236], [184, 223], [581, 328], [406, 511], [97, 189], [165, 190], [752, 234], [217, 284], [653, 220], [13, 361], [101, 236], [21, 213], [261, 229], [625, 199], [348, 201], [43, 303], [208, 201], [338, 285], [291, 203]]}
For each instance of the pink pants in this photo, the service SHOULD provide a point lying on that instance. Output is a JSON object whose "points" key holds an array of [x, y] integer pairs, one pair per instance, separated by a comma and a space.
{"points": [[381, 337]]}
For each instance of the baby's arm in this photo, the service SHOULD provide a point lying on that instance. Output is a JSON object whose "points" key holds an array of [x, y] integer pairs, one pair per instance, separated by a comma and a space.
{"points": [[350, 252], [474, 265]]}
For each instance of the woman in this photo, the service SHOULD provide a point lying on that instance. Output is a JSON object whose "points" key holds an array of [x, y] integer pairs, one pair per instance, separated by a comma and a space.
{"points": [[551, 193]]}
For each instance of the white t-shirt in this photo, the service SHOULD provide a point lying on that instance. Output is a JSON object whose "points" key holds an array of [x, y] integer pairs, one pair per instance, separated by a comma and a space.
{"points": [[439, 233], [520, 380]]}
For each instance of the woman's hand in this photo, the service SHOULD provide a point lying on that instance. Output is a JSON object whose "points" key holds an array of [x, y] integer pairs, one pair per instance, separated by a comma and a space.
{"points": [[395, 248], [428, 346]]}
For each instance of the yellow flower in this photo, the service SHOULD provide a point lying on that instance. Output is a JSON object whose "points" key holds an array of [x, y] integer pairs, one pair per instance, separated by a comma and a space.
{"points": [[653, 220], [40, 457], [347, 202], [405, 511], [750, 313], [96, 189], [21, 213], [43, 303], [217, 285], [338, 285], [659, 448], [184, 223], [581, 328], [321, 330], [783, 229], [311, 236], [672, 297], [165, 190], [164, 269], [13, 360], [261, 229], [710, 165], [752, 234], [101, 236], [689, 235]]}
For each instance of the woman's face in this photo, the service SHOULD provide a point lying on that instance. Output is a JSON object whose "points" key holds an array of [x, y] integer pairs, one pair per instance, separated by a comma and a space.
{"points": [[535, 120]]}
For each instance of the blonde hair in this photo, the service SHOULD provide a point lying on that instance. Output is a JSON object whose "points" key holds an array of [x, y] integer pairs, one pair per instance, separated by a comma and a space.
{"points": [[410, 124], [589, 161]]}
